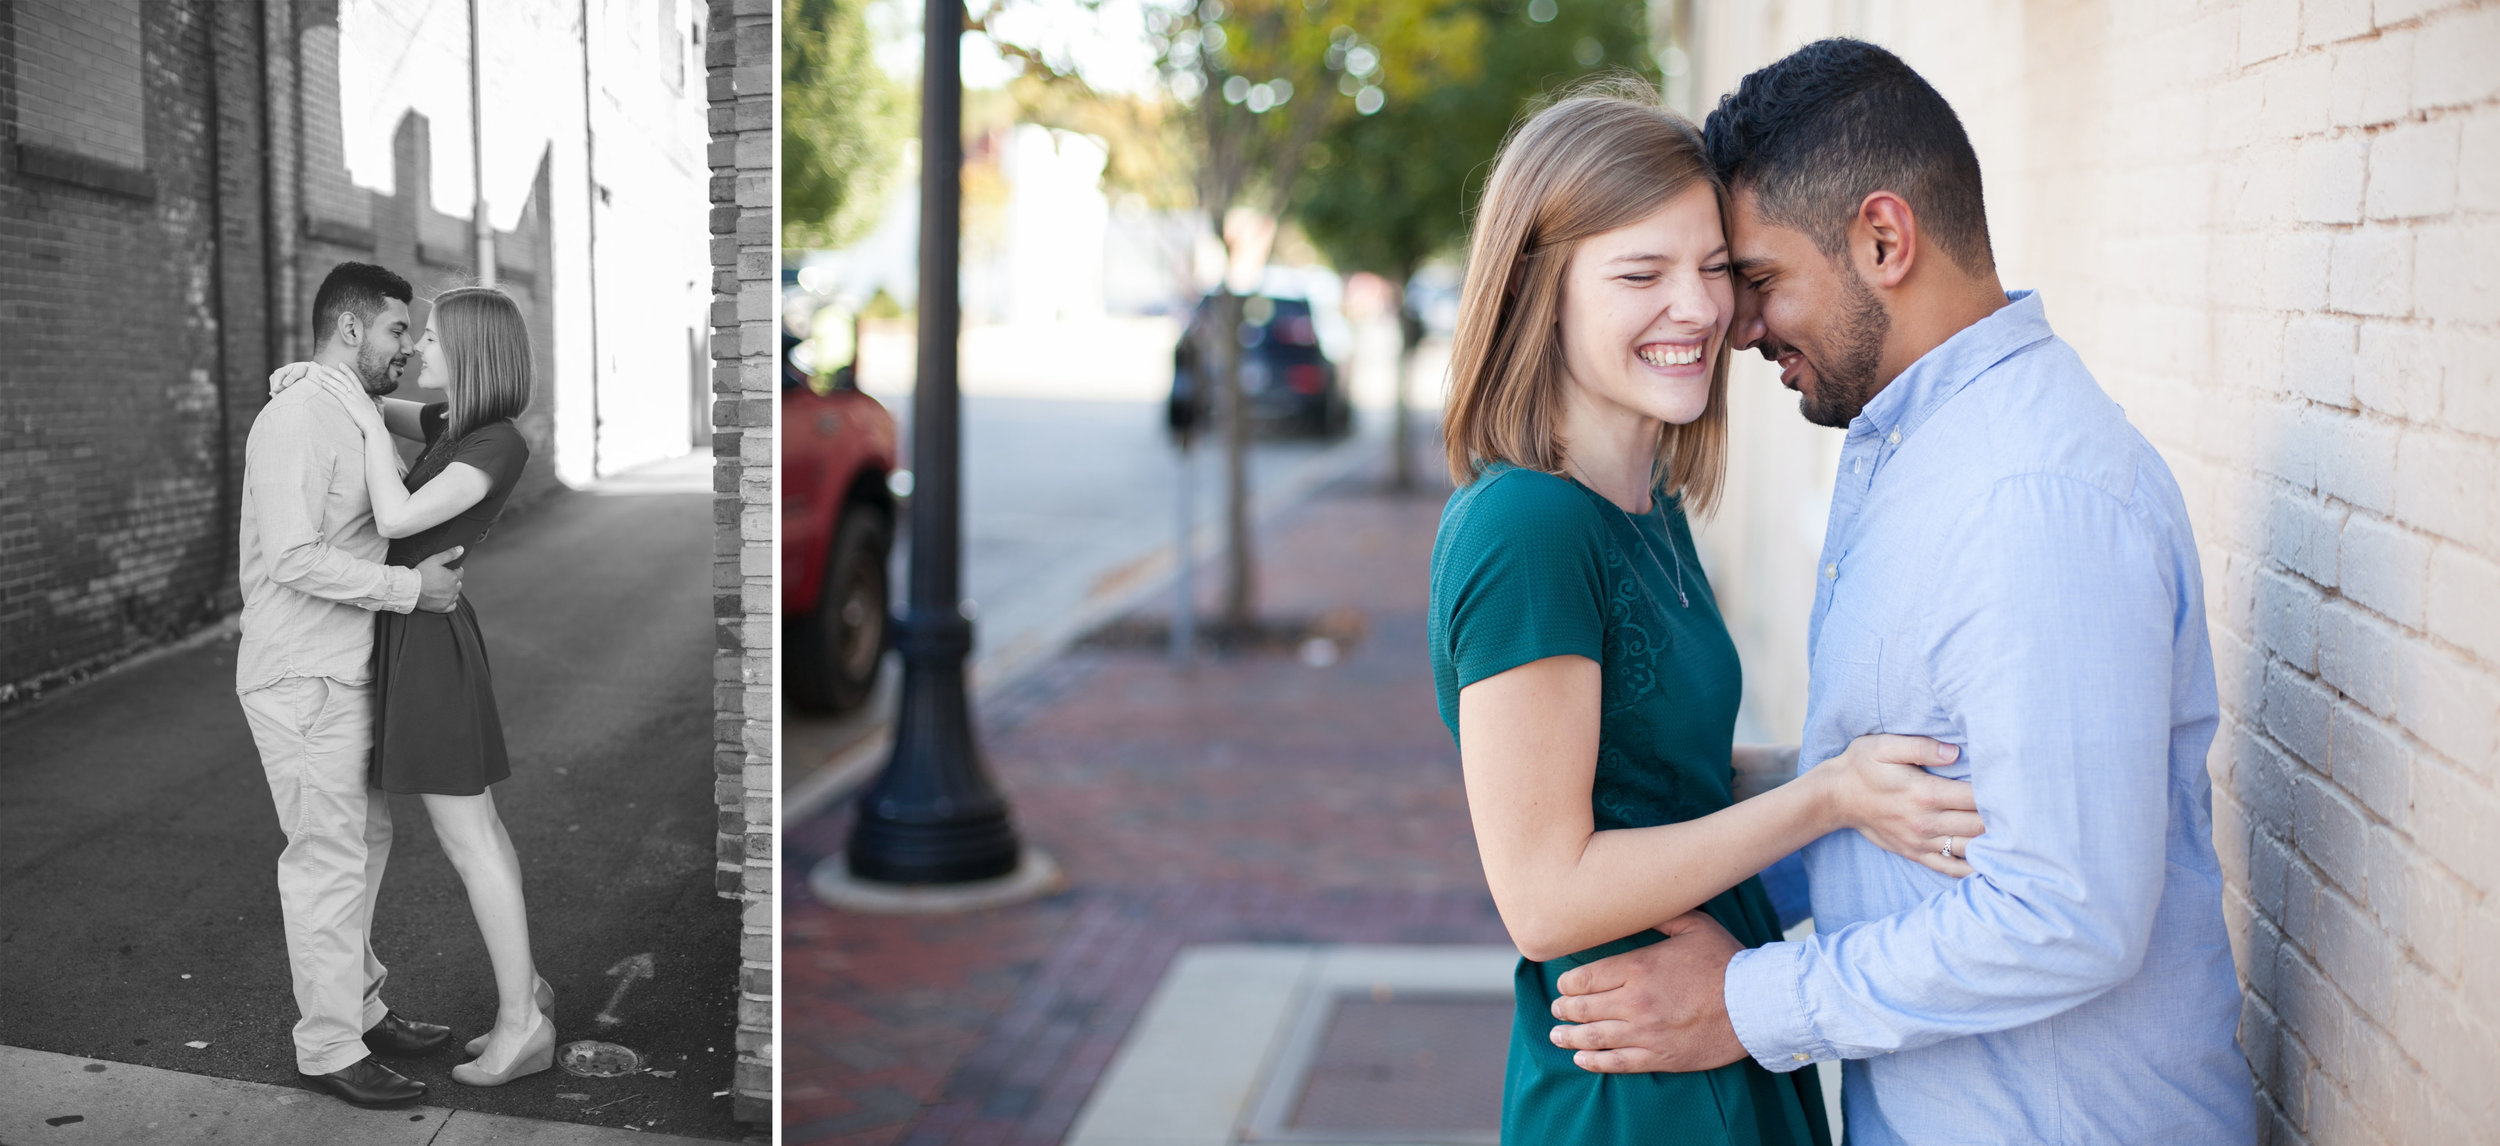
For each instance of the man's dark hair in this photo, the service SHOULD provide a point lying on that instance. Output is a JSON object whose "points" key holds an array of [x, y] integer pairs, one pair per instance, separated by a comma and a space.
{"points": [[1813, 134], [355, 288]]}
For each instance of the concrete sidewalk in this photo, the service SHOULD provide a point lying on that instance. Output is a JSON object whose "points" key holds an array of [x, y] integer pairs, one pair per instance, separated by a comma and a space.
{"points": [[1279, 795], [50, 1098]]}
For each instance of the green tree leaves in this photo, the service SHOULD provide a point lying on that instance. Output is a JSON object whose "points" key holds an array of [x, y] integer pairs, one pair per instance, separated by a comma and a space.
{"points": [[843, 123]]}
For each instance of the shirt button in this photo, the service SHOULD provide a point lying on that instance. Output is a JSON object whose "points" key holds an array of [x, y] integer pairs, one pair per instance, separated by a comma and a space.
{"points": [[1858, 466], [1800, 1056], [1895, 439], [1830, 572]]}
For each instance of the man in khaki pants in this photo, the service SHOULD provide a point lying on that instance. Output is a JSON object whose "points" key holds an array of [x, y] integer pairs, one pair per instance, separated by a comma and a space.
{"points": [[312, 572]]}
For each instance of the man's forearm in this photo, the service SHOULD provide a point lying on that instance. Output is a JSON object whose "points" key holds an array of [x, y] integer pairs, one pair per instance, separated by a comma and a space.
{"points": [[321, 570]]}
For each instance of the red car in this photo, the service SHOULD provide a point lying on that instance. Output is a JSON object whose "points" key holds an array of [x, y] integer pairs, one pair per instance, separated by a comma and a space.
{"points": [[837, 527]]}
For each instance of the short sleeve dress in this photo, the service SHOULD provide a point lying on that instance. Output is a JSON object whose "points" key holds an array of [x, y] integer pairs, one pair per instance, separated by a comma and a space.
{"points": [[435, 727], [1529, 565]]}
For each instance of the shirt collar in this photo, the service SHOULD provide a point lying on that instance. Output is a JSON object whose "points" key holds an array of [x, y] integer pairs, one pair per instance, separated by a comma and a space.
{"points": [[1943, 372]]}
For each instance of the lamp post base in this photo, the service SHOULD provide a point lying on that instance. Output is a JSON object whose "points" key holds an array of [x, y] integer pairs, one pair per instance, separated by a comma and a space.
{"points": [[1035, 875]]}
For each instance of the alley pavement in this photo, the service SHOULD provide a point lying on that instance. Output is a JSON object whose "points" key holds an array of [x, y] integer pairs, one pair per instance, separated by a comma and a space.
{"points": [[139, 919], [1287, 794]]}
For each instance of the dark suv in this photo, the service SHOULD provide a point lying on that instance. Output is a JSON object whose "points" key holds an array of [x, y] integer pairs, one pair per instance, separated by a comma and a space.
{"points": [[1286, 379], [837, 525]]}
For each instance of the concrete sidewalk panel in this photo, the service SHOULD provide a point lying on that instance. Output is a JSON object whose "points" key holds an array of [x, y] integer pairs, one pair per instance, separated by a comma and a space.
{"points": [[137, 1104], [50, 1098], [1205, 1047], [1194, 1060], [470, 1128]]}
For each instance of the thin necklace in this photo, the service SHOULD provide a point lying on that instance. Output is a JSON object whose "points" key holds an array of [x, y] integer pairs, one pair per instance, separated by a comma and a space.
{"points": [[1626, 514]]}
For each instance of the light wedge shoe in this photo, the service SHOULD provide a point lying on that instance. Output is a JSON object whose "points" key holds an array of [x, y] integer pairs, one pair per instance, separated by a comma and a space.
{"points": [[546, 997], [536, 1053]]}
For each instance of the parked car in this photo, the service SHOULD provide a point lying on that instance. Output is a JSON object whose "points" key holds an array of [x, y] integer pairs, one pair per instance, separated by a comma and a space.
{"points": [[1286, 379], [837, 527]]}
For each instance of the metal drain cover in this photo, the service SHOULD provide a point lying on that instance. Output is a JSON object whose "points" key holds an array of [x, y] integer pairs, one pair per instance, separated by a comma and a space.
{"points": [[598, 1060]]}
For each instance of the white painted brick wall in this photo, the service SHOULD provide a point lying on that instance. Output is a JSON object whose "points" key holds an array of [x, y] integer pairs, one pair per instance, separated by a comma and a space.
{"points": [[2272, 227]]}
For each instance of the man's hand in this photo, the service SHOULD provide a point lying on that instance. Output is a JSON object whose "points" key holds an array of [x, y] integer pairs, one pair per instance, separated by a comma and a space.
{"points": [[1660, 1008], [439, 587]]}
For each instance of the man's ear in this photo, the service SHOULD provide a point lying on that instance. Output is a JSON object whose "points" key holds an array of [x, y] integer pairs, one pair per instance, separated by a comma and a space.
{"points": [[1883, 239], [350, 329]]}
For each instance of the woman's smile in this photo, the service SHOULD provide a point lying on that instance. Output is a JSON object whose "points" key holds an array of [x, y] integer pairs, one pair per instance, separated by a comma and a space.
{"points": [[1677, 358]]}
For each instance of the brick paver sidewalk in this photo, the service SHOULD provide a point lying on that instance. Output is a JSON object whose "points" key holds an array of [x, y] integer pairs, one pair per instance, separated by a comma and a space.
{"points": [[1256, 799]]}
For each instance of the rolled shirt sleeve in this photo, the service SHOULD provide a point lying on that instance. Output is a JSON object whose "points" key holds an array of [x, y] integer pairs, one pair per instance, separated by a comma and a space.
{"points": [[2048, 640], [290, 485]]}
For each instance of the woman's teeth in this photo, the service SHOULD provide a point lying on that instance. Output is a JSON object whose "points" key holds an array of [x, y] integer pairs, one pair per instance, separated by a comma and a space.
{"points": [[1658, 354]]}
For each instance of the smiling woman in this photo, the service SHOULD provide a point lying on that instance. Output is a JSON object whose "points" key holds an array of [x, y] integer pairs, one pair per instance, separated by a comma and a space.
{"points": [[1504, 403]]}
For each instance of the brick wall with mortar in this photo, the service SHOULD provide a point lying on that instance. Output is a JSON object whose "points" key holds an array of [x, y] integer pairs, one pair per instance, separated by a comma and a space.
{"points": [[131, 349], [741, 67], [139, 311], [2273, 230]]}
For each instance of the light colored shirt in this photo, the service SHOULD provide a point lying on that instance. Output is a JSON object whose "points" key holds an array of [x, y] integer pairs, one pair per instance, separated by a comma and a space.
{"points": [[311, 568], [2008, 567]]}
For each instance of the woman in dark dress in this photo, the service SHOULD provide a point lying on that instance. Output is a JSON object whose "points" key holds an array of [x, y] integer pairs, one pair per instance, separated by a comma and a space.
{"points": [[1577, 648], [436, 733]]}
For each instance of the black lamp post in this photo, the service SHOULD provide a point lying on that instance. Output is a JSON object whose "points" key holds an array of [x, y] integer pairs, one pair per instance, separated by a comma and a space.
{"points": [[933, 817]]}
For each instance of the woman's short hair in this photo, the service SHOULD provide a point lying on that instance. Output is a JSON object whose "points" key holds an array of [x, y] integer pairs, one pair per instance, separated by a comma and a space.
{"points": [[486, 350], [1597, 160]]}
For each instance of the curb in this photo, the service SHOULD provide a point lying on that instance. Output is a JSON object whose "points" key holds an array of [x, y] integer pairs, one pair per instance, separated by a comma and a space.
{"points": [[63, 1098]]}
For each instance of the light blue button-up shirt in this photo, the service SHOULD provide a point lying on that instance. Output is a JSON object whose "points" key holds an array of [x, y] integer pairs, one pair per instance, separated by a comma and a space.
{"points": [[2008, 567]]}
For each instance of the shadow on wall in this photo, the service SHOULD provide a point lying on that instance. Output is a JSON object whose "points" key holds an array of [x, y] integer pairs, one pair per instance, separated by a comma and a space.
{"points": [[2278, 752]]}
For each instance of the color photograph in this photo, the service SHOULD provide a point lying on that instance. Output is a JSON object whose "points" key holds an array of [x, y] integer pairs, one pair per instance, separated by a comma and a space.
{"points": [[1671, 571]]}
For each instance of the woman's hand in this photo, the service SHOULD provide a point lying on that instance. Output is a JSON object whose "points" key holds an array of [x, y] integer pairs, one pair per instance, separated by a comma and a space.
{"points": [[290, 374], [351, 394], [1881, 787]]}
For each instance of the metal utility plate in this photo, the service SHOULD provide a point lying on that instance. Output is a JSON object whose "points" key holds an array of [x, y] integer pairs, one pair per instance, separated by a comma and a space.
{"points": [[1381, 1065]]}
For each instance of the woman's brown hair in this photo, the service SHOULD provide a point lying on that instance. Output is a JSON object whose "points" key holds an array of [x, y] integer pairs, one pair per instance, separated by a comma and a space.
{"points": [[486, 350], [1593, 162]]}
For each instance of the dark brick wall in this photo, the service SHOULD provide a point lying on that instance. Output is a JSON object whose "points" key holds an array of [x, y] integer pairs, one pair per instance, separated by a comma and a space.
{"points": [[116, 476]]}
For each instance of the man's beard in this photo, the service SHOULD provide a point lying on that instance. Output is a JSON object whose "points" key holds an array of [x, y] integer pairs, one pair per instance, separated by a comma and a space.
{"points": [[379, 375], [1844, 386]]}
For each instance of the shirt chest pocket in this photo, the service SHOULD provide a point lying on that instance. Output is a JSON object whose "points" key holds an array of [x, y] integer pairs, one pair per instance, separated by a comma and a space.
{"points": [[1883, 687], [1848, 673]]}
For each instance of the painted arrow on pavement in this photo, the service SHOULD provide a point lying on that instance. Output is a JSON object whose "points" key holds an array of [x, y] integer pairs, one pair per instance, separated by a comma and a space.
{"points": [[626, 971]]}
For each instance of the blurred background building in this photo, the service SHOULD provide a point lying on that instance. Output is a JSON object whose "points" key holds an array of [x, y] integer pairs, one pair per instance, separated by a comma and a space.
{"points": [[178, 177]]}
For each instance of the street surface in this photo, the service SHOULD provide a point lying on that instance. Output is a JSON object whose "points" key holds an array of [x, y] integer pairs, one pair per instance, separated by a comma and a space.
{"points": [[1069, 495], [139, 917]]}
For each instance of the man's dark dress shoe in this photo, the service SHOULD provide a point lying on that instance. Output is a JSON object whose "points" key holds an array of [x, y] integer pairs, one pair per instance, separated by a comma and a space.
{"points": [[368, 1084], [405, 1038]]}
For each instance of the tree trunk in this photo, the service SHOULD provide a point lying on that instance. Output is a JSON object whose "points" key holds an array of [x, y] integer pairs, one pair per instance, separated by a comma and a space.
{"points": [[1401, 430], [1240, 565]]}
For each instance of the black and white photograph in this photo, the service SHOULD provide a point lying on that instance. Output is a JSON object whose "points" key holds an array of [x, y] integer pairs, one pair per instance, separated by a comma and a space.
{"points": [[385, 566]]}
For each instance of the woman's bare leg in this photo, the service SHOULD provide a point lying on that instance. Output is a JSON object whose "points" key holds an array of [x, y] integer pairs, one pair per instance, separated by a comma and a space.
{"points": [[481, 851]]}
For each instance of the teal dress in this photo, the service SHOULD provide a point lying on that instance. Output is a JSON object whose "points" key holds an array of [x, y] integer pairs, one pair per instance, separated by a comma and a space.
{"points": [[1527, 566]]}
